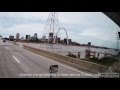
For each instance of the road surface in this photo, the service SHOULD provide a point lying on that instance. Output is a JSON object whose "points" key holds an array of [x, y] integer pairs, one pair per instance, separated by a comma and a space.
{"points": [[16, 62]]}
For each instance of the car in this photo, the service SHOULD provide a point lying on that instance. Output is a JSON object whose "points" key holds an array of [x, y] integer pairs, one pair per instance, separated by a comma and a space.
{"points": [[4, 40]]}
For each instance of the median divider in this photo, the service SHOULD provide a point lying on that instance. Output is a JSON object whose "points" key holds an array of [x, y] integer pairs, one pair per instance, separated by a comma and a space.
{"points": [[77, 63]]}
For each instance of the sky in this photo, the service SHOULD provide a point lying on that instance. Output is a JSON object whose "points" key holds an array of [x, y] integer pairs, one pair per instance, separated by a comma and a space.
{"points": [[82, 27]]}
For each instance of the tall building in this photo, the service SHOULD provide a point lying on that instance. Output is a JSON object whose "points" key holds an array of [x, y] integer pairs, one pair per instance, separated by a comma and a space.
{"points": [[11, 38], [65, 40], [70, 41], [17, 36], [22, 38], [27, 37], [35, 35], [50, 34], [50, 38], [43, 38], [89, 44]]}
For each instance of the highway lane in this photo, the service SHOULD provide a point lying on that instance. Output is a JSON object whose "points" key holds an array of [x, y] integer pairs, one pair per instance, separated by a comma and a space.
{"points": [[16, 62]]}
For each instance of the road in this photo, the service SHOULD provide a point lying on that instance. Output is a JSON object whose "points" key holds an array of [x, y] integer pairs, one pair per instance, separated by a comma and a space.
{"points": [[16, 62]]}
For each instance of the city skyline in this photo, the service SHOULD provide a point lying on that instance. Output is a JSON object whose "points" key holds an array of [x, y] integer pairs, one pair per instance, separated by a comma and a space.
{"points": [[82, 27]]}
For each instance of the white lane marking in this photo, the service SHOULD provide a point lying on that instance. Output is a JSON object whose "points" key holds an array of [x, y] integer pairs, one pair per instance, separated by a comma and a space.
{"points": [[16, 59], [64, 65], [68, 67]]}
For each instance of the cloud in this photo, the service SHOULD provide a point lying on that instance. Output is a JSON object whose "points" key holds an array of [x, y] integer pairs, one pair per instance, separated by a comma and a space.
{"points": [[99, 33], [81, 26], [11, 19], [24, 29]]}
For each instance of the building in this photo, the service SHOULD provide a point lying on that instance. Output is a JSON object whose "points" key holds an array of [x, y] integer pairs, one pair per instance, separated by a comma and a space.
{"points": [[43, 39], [50, 34], [50, 38], [22, 38], [69, 41], [11, 38], [62, 41], [65, 40], [17, 36], [35, 35], [75, 43], [89, 43], [33, 38], [57, 40], [27, 37]]}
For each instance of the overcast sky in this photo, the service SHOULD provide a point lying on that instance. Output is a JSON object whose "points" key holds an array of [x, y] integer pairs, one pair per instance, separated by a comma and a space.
{"points": [[82, 27]]}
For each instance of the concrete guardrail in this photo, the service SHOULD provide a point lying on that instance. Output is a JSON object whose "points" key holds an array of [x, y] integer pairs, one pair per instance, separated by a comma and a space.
{"points": [[77, 63]]}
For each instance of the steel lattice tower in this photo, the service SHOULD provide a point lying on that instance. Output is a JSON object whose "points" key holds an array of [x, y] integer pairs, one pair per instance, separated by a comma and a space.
{"points": [[52, 25]]}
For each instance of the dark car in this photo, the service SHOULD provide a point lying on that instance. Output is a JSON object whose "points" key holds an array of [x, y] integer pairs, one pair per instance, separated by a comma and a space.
{"points": [[4, 40]]}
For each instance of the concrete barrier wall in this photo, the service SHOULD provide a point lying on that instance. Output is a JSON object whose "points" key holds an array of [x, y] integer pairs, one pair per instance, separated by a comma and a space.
{"points": [[80, 64]]}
